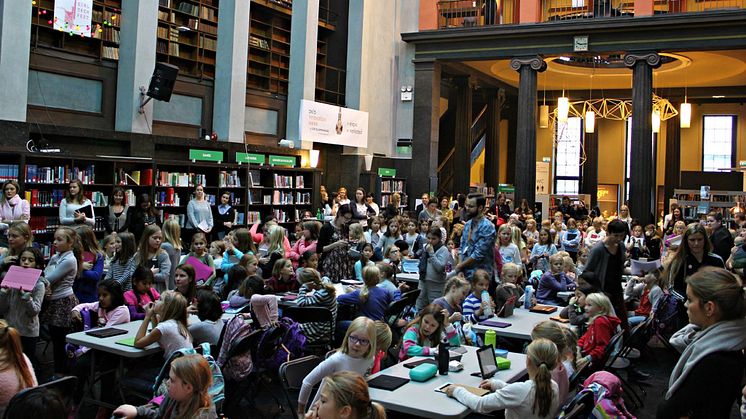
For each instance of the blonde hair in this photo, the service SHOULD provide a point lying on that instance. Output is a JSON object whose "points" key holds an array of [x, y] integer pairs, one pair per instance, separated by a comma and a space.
{"points": [[504, 227], [356, 232], [366, 325], [567, 264], [383, 336], [198, 237], [174, 307], [457, 282], [543, 354], [557, 256], [195, 371], [512, 268], [276, 240], [172, 233], [11, 355], [601, 301], [350, 389], [247, 258], [552, 331], [312, 276], [517, 238], [482, 275], [143, 249], [21, 228], [371, 278]]}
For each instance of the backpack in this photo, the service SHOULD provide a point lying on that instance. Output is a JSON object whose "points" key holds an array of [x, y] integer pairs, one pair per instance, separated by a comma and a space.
{"points": [[607, 401], [74, 351], [666, 313], [216, 390], [279, 344], [238, 367]]}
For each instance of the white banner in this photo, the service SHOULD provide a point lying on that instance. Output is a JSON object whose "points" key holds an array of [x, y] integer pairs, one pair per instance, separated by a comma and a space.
{"points": [[73, 16], [322, 123], [542, 178]]}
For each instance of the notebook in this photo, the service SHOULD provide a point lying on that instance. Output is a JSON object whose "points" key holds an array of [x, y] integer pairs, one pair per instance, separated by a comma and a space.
{"points": [[127, 342], [107, 333], [495, 323], [87, 210], [21, 278], [539, 308], [473, 390], [559, 319], [387, 382]]}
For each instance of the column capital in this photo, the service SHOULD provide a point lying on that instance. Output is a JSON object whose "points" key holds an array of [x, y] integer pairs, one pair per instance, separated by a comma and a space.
{"points": [[651, 58], [536, 63]]}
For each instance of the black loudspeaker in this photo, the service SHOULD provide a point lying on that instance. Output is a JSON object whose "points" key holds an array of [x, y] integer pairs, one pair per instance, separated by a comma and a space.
{"points": [[162, 82]]}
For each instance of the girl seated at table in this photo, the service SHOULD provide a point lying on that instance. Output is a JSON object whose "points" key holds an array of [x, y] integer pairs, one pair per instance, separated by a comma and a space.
{"points": [[602, 326], [241, 297], [141, 294], [186, 283], [210, 324], [250, 262], [554, 281], [535, 398], [283, 277], [356, 354], [510, 286], [190, 378], [371, 300], [199, 251], [383, 342], [308, 259], [315, 293], [425, 332], [575, 311], [169, 320], [366, 253], [110, 307], [552, 331], [474, 307], [236, 276], [456, 290], [346, 396]]}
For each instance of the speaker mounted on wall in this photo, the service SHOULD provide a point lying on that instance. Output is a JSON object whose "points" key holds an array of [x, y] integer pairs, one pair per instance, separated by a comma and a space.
{"points": [[161, 84]]}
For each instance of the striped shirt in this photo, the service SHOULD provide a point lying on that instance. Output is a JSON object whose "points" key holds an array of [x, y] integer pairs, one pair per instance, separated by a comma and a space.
{"points": [[122, 273], [316, 331]]}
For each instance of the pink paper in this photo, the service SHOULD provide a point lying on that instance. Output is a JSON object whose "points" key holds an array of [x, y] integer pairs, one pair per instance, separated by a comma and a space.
{"points": [[201, 270], [21, 278]]}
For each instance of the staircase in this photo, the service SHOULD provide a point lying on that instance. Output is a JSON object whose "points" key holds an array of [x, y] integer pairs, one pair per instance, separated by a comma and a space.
{"points": [[446, 145]]}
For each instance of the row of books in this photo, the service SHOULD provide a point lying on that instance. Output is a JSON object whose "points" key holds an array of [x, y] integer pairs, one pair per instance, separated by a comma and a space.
{"points": [[182, 218], [169, 198], [180, 179], [385, 199], [287, 181], [286, 216], [52, 198], [8, 172], [207, 13], [110, 53], [107, 34], [99, 16], [208, 43], [60, 174], [258, 42], [229, 179], [134, 177], [392, 186], [188, 8]]}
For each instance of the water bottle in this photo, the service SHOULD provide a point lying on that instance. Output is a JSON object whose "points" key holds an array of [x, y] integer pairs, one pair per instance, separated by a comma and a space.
{"points": [[319, 216], [527, 296], [490, 338], [487, 304], [443, 358]]}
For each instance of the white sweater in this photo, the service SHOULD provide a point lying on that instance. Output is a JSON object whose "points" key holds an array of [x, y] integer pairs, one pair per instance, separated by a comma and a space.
{"points": [[337, 362], [517, 399]]}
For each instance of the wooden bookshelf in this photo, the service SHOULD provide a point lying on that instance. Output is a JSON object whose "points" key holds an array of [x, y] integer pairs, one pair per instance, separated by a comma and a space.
{"points": [[268, 67], [694, 208], [387, 186], [105, 26], [187, 35]]}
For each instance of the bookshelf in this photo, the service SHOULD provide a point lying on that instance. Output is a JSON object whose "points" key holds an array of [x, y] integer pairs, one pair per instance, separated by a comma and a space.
{"points": [[694, 208], [269, 48], [387, 186], [105, 25], [187, 35]]}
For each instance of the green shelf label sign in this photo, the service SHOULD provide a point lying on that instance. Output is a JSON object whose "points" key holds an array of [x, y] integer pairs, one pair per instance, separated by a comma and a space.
{"points": [[205, 155], [250, 158], [281, 160], [385, 171]]}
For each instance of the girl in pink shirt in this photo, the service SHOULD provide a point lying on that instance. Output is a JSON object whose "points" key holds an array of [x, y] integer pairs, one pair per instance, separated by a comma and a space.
{"points": [[141, 294], [110, 306]]}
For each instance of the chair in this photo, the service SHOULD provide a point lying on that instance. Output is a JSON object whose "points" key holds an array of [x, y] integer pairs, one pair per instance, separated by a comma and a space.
{"points": [[292, 374], [314, 315], [617, 360], [580, 406], [236, 391], [64, 388], [395, 311], [578, 376]]}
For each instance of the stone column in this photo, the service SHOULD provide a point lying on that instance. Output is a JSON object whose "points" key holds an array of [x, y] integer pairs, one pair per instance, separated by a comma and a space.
{"points": [[229, 109], [136, 65], [642, 166], [462, 136], [495, 99], [525, 150], [589, 177], [672, 175], [15, 41], [426, 129], [304, 32]]}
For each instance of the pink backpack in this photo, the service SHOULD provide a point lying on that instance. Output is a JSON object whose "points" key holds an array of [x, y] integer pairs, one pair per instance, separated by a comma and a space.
{"points": [[239, 366], [607, 390]]}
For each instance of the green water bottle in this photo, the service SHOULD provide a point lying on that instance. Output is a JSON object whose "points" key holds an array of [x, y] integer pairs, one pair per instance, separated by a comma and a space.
{"points": [[490, 338], [319, 216]]}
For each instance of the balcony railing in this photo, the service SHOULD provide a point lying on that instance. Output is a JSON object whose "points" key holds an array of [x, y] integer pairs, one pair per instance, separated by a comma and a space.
{"points": [[466, 13]]}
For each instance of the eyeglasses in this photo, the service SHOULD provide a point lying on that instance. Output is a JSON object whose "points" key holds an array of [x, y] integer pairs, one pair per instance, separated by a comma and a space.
{"points": [[359, 341]]}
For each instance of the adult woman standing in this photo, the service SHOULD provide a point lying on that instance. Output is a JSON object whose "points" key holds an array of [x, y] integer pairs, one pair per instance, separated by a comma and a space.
{"points": [[116, 219], [12, 207], [72, 204], [670, 219], [332, 246], [360, 209], [392, 208], [225, 215], [141, 215], [692, 254], [199, 214], [706, 380]]}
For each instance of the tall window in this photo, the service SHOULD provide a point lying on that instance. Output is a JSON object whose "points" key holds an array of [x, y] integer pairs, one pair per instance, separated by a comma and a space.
{"points": [[567, 157], [719, 142], [628, 154]]}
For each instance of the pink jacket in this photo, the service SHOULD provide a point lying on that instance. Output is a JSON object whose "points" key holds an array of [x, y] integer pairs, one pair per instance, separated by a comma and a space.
{"points": [[300, 247], [258, 237], [19, 211], [117, 315], [265, 308]]}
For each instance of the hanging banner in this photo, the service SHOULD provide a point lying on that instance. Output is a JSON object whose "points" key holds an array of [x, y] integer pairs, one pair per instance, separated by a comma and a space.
{"points": [[542, 178], [73, 16], [322, 123]]}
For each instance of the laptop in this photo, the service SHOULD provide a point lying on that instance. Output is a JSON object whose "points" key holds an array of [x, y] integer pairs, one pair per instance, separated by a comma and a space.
{"points": [[487, 362]]}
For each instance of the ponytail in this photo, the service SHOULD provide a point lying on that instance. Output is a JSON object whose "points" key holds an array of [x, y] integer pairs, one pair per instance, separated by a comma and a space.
{"points": [[377, 411], [371, 277], [543, 354]]}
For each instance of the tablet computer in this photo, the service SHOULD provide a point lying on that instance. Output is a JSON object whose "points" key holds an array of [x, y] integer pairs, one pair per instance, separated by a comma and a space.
{"points": [[487, 362]]}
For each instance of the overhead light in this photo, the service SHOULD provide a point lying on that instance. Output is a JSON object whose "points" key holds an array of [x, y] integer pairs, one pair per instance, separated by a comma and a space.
{"points": [[368, 162], [590, 122], [313, 157], [718, 96], [563, 108], [184, 29], [564, 58], [685, 114], [544, 116], [656, 121]]}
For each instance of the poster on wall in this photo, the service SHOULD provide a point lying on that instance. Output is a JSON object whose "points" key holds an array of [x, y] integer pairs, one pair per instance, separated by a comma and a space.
{"points": [[322, 123], [542, 178], [73, 16]]}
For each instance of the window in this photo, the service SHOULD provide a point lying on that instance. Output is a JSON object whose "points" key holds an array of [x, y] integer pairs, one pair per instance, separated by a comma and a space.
{"points": [[628, 154], [567, 156], [719, 142]]}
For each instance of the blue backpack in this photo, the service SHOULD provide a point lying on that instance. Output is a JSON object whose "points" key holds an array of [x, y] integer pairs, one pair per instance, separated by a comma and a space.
{"points": [[280, 344], [666, 314]]}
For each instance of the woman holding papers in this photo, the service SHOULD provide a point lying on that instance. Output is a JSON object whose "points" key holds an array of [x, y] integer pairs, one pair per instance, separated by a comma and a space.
{"points": [[12, 207], [199, 213], [76, 208]]}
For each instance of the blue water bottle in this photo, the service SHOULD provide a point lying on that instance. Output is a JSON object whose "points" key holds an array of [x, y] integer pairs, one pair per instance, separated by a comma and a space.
{"points": [[527, 297]]}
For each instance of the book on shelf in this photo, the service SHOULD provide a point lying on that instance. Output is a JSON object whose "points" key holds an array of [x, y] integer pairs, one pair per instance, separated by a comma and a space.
{"points": [[180, 179], [98, 199], [188, 8], [302, 198], [110, 53], [240, 218], [8, 172], [282, 198], [300, 182], [255, 178], [229, 179], [253, 217], [267, 199], [45, 198], [129, 197], [255, 197], [207, 13], [47, 174], [164, 3], [392, 186], [283, 181], [168, 198]]}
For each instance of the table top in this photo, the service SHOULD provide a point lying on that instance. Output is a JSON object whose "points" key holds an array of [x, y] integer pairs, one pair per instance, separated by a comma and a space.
{"points": [[421, 399], [339, 288], [110, 344], [522, 322], [412, 278]]}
